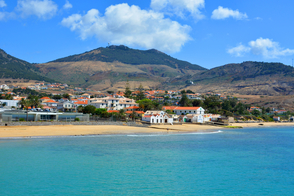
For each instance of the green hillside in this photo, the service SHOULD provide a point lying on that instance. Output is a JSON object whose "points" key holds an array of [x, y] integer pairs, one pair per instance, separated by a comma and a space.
{"points": [[11, 67], [127, 55]]}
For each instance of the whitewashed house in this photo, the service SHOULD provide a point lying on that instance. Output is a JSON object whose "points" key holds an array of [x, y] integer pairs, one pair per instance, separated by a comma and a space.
{"points": [[195, 118], [111, 103], [160, 117], [9, 103], [188, 110]]}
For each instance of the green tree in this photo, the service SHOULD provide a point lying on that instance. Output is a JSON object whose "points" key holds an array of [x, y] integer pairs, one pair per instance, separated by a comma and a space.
{"points": [[56, 97], [89, 109], [27, 103], [99, 111], [256, 113], [184, 101], [189, 91], [66, 95], [146, 104], [35, 102], [197, 102], [80, 108], [8, 97], [140, 94], [127, 92], [121, 114]]}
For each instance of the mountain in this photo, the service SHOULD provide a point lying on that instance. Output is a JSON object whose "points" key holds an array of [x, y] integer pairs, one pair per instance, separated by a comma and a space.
{"points": [[130, 56], [256, 78], [111, 67], [11, 67]]}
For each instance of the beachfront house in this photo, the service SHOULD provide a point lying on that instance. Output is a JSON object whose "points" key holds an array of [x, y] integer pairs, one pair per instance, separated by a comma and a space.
{"points": [[157, 117], [188, 110]]}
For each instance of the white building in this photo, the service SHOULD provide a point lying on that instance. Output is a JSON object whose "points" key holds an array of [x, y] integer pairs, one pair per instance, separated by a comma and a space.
{"points": [[188, 110], [160, 117], [4, 86], [111, 103], [9, 103]]}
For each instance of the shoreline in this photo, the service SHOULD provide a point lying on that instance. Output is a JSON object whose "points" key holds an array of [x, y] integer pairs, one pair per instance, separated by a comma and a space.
{"points": [[88, 130]]}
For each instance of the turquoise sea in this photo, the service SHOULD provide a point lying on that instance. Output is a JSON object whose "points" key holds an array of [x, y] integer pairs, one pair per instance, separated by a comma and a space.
{"points": [[250, 161]]}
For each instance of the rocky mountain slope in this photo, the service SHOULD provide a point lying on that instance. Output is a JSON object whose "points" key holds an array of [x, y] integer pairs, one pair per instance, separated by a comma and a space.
{"points": [[110, 67], [255, 78]]}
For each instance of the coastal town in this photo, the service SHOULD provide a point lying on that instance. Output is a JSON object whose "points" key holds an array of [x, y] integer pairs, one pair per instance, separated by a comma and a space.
{"points": [[62, 102]]}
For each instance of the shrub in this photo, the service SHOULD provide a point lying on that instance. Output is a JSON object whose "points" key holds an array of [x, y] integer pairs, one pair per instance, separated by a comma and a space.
{"points": [[21, 119], [77, 119]]}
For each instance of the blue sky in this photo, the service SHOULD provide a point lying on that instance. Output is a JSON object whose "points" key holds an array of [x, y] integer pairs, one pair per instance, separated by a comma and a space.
{"points": [[203, 32]]}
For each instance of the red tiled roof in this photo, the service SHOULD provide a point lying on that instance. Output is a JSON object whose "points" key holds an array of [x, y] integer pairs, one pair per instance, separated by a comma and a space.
{"points": [[139, 112], [128, 112]]}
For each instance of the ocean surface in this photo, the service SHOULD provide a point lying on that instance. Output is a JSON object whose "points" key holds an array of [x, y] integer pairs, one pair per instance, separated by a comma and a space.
{"points": [[250, 161]]}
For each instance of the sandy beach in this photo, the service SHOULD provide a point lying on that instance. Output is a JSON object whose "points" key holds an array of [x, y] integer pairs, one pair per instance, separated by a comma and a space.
{"points": [[79, 130], [263, 124]]}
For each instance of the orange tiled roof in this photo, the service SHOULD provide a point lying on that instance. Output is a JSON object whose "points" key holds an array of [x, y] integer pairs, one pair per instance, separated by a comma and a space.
{"points": [[132, 107], [45, 98], [51, 101], [81, 102], [111, 111], [169, 107], [187, 108]]}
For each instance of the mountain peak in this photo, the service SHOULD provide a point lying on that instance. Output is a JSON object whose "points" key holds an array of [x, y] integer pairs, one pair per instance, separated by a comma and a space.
{"points": [[131, 56]]}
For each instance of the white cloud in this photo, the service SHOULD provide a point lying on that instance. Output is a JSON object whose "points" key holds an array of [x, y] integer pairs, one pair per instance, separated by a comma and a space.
{"points": [[7, 15], [268, 48], [129, 25], [222, 13], [67, 5], [239, 50], [44, 9], [2, 3], [2, 15], [180, 7], [265, 47]]}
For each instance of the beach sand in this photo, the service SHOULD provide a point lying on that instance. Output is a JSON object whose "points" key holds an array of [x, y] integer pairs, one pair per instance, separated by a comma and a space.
{"points": [[264, 124], [79, 130]]}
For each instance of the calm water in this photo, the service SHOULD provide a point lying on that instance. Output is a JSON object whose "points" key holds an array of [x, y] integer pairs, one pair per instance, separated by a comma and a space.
{"points": [[253, 161]]}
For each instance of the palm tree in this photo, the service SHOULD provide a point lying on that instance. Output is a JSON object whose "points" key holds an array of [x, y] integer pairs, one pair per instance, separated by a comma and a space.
{"points": [[27, 103], [35, 102], [121, 113], [22, 103]]}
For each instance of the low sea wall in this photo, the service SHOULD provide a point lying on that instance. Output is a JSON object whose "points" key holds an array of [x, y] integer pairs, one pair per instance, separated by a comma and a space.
{"points": [[33, 123]]}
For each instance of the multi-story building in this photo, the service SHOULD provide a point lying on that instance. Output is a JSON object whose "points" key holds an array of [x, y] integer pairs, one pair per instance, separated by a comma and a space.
{"points": [[111, 103]]}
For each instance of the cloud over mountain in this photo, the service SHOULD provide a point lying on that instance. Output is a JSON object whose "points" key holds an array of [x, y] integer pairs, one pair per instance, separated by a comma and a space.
{"points": [[265, 47], [132, 26]]}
